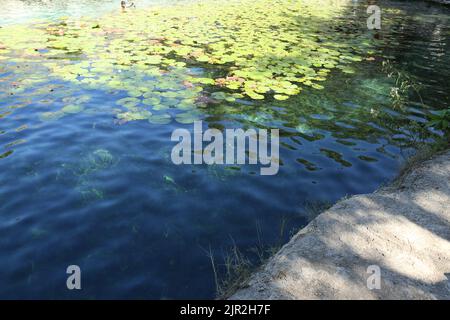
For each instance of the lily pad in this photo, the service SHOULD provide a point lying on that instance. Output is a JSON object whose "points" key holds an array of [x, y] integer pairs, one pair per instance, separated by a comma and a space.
{"points": [[134, 115], [160, 119], [187, 118], [280, 97], [128, 102], [72, 108]]}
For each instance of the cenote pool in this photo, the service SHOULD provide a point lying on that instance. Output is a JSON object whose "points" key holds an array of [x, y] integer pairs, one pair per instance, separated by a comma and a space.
{"points": [[90, 95]]}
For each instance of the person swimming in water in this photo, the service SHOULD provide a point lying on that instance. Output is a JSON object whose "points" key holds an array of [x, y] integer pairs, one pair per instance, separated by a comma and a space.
{"points": [[123, 4]]}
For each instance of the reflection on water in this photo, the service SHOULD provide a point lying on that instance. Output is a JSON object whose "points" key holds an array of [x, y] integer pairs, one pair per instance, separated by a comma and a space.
{"points": [[87, 107], [19, 11]]}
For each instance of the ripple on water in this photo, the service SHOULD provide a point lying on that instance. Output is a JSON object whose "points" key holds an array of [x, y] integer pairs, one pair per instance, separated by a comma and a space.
{"points": [[81, 185]]}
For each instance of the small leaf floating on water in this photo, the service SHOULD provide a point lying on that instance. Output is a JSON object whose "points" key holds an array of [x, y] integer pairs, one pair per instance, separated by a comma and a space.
{"points": [[6, 154]]}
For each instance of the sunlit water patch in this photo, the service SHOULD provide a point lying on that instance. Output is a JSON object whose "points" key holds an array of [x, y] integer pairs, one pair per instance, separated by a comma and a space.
{"points": [[88, 104], [23, 11]]}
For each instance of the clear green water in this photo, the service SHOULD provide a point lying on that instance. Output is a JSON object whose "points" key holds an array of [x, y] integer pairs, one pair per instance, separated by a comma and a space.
{"points": [[86, 186]]}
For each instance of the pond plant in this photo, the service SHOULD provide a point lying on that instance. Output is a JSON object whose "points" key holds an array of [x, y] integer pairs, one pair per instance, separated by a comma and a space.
{"points": [[149, 56]]}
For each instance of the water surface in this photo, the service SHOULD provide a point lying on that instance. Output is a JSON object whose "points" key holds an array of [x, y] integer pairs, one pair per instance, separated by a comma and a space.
{"points": [[94, 188]]}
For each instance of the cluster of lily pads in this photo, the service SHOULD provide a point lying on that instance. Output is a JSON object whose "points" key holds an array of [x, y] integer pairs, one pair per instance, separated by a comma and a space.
{"points": [[186, 56]]}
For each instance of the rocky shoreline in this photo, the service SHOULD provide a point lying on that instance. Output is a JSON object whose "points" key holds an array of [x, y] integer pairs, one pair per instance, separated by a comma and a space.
{"points": [[402, 231]]}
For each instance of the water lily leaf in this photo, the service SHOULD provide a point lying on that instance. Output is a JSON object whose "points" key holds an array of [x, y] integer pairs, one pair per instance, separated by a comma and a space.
{"points": [[187, 118], [135, 93], [280, 97], [153, 101], [186, 104], [220, 96], [160, 118], [202, 58], [202, 81], [254, 95], [153, 59], [134, 115], [72, 108], [159, 107], [128, 102], [348, 70], [317, 86], [169, 94]]}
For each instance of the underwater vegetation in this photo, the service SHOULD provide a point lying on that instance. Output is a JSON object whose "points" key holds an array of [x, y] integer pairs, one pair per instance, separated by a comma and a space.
{"points": [[86, 171]]}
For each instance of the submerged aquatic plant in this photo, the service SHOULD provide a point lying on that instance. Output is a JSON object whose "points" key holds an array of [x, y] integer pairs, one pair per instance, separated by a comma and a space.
{"points": [[404, 83], [86, 172]]}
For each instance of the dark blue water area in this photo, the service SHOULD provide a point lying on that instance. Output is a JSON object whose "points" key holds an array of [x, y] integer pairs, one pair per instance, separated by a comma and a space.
{"points": [[87, 190], [84, 190]]}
